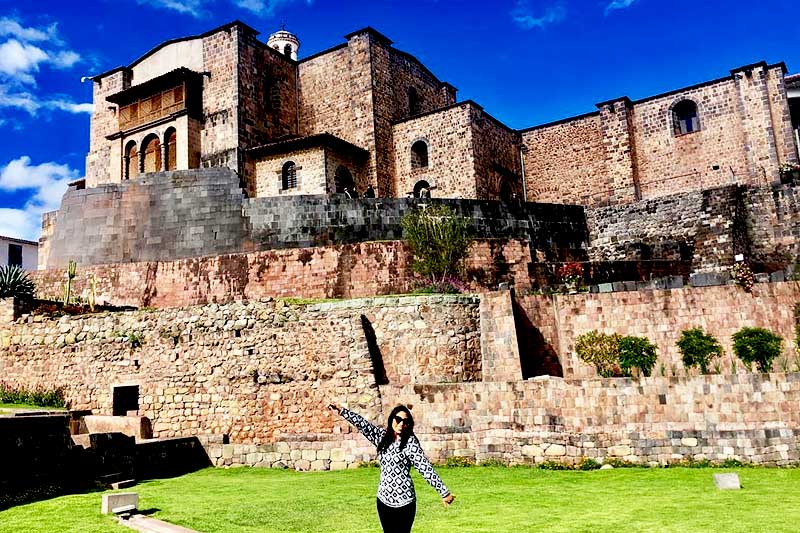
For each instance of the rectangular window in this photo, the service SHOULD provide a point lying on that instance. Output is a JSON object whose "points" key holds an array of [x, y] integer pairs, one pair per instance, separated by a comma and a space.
{"points": [[15, 255]]}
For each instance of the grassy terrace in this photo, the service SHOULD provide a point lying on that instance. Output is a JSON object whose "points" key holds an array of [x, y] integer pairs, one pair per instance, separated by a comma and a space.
{"points": [[489, 499]]}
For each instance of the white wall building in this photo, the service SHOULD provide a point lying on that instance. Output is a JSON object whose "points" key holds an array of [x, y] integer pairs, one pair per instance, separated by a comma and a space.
{"points": [[19, 252]]}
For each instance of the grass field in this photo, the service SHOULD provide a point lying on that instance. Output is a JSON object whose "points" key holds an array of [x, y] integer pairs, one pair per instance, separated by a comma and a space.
{"points": [[11, 407], [490, 499]]}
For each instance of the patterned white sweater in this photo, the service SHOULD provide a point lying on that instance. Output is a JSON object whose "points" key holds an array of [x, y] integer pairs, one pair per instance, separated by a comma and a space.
{"points": [[396, 488]]}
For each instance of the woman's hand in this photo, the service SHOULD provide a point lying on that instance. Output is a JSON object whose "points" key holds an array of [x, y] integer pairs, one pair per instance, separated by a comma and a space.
{"points": [[447, 500]]}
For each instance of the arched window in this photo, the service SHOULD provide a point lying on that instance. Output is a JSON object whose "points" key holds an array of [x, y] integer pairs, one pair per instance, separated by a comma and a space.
{"points": [[413, 102], [131, 161], [289, 175], [422, 189], [506, 191], [684, 117], [170, 139], [151, 152], [419, 155], [287, 50], [343, 180]]}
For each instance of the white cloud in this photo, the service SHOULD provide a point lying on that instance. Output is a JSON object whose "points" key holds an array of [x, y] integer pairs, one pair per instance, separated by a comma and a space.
{"points": [[65, 59], [618, 4], [201, 8], [189, 7], [19, 60], [32, 105], [9, 26], [47, 182], [525, 17]]}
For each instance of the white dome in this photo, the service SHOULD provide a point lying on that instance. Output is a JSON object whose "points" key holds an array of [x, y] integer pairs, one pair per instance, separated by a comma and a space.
{"points": [[284, 42]]}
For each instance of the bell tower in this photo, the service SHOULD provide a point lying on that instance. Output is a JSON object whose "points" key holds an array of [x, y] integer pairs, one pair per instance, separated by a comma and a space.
{"points": [[284, 42]]}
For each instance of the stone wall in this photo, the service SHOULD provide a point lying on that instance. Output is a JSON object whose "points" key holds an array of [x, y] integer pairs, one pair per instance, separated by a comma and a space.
{"points": [[761, 223], [346, 271], [629, 151], [565, 161], [253, 379], [706, 235], [259, 372], [661, 316], [657, 420], [496, 153], [451, 167], [194, 213]]}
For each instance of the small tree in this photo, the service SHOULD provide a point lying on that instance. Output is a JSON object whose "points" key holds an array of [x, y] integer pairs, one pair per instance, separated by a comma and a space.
{"points": [[16, 283], [600, 350], [636, 352], [698, 348], [757, 345], [438, 239]]}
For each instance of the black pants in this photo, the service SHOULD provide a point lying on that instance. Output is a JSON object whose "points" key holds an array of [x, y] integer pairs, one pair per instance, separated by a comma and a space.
{"points": [[397, 519]]}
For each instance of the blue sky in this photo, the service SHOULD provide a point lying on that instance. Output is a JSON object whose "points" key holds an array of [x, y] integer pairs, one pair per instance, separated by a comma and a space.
{"points": [[526, 61]]}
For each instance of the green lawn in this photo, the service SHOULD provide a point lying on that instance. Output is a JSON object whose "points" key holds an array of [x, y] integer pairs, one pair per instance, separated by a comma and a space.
{"points": [[10, 407], [489, 499]]}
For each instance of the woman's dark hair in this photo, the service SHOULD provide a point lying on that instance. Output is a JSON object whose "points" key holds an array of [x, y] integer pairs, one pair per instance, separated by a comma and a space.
{"points": [[407, 431]]}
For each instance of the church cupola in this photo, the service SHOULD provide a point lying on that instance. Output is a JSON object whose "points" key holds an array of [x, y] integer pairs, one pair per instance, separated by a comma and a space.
{"points": [[284, 42]]}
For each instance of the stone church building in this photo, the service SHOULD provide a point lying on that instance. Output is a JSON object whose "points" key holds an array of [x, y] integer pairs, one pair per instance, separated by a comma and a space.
{"points": [[365, 114]]}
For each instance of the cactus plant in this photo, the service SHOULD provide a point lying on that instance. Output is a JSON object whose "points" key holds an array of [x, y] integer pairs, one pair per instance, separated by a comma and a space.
{"points": [[70, 275], [15, 282]]}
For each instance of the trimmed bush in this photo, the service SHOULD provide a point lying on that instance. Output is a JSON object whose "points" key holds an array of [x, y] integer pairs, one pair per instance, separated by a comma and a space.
{"points": [[40, 397], [16, 283], [698, 348], [636, 352], [600, 350], [757, 345]]}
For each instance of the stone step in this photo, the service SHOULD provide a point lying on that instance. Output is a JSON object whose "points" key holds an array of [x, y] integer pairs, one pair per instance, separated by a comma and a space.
{"points": [[146, 524]]}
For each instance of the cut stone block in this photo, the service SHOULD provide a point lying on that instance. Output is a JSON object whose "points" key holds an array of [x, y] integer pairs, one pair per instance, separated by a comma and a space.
{"points": [[727, 481], [119, 499]]}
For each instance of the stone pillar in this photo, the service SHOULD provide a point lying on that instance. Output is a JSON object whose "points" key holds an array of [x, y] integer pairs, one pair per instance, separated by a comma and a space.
{"points": [[126, 167], [616, 119], [756, 118], [164, 154], [499, 346]]}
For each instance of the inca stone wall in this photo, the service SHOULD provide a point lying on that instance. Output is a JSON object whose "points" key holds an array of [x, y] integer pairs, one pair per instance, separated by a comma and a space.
{"points": [[661, 316], [657, 420], [194, 213], [346, 271], [496, 156], [706, 234], [258, 372], [253, 380], [761, 223]]}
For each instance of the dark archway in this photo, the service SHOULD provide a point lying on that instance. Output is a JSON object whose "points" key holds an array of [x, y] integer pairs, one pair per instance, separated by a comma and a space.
{"points": [[151, 154], [419, 155], [131, 161], [422, 189], [343, 179], [170, 141], [289, 175]]}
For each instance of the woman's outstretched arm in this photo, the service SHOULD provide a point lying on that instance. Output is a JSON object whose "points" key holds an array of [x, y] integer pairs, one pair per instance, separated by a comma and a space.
{"points": [[414, 452], [373, 433]]}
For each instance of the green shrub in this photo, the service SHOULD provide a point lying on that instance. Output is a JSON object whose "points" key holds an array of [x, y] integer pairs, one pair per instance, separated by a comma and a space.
{"points": [[587, 463], [16, 283], [438, 239], [553, 465], [492, 462], [600, 350], [757, 345], [459, 461], [616, 462], [39, 396], [698, 348], [636, 352]]}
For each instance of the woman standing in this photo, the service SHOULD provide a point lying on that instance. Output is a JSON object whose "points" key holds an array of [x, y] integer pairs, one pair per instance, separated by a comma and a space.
{"points": [[398, 449]]}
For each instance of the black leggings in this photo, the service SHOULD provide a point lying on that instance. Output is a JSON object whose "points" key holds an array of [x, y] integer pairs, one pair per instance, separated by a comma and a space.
{"points": [[397, 519]]}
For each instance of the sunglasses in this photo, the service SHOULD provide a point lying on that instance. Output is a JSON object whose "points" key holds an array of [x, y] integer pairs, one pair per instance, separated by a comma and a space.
{"points": [[400, 420]]}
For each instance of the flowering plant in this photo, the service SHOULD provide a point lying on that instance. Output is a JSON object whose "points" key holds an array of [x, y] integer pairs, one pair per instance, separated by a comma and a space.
{"points": [[570, 273], [787, 168], [743, 276]]}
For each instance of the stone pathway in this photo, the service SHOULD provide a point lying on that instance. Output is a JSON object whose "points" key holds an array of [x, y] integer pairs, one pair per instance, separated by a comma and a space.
{"points": [[153, 525]]}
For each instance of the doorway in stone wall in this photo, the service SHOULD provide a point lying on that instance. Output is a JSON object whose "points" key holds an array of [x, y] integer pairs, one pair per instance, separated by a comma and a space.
{"points": [[126, 398]]}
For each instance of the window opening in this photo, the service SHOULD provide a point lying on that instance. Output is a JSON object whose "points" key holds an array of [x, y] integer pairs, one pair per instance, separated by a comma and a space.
{"points": [[419, 155], [289, 175], [15, 255], [343, 180], [684, 117], [170, 141], [126, 399], [131, 161]]}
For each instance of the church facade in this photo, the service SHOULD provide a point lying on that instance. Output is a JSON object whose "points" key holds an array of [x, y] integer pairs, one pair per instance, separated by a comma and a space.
{"points": [[365, 114]]}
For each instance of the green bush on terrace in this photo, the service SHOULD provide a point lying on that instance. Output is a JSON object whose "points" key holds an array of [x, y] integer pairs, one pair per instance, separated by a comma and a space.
{"points": [[39, 397], [757, 345], [698, 348]]}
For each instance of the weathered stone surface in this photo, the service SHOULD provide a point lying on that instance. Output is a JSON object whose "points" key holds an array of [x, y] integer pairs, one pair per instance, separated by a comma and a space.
{"points": [[727, 481]]}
